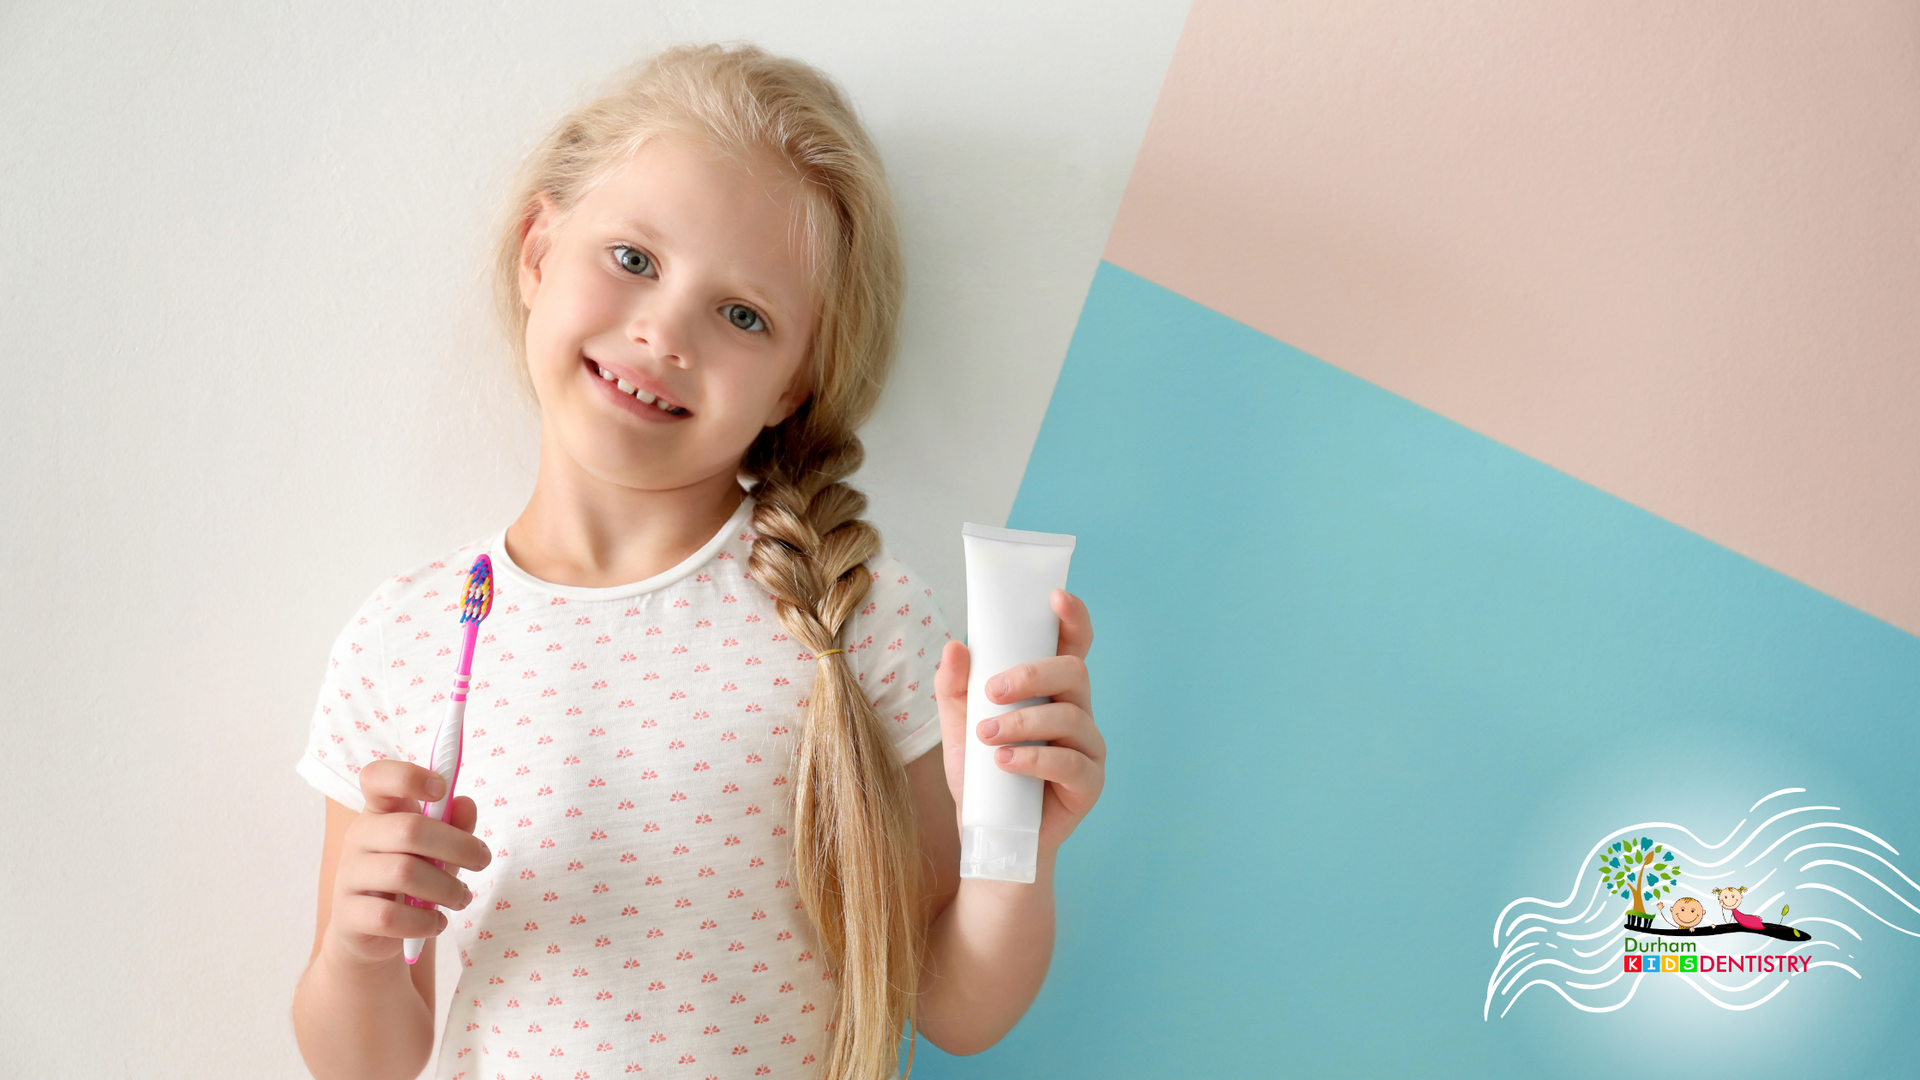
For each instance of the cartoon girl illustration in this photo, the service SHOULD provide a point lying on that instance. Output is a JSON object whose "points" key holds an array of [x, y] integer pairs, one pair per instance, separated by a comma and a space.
{"points": [[1730, 899], [1685, 914]]}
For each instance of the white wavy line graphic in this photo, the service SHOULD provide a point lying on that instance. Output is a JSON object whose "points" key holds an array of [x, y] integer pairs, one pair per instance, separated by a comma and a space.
{"points": [[1864, 874], [1782, 791], [1855, 903], [1820, 825], [1849, 847], [1835, 922], [1555, 987]]}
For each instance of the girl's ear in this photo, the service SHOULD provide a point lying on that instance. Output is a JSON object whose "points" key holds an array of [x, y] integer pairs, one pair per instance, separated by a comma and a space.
{"points": [[534, 228]]}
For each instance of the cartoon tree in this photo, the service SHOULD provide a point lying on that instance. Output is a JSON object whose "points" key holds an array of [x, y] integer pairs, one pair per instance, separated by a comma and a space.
{"points": [[1638, 871]]}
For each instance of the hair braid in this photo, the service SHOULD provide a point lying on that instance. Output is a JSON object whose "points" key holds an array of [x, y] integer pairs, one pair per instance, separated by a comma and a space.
{"points": [[855, 841]]}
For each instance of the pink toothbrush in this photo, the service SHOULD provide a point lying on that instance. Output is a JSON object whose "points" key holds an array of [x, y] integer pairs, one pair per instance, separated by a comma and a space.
{"points": [[446, 742]]}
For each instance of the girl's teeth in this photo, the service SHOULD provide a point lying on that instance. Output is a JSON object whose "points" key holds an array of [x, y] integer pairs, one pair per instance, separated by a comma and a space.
{"points": [[628, 388]]}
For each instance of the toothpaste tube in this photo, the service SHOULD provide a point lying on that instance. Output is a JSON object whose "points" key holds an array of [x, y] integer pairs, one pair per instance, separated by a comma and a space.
{"points": [[1011, 575]]}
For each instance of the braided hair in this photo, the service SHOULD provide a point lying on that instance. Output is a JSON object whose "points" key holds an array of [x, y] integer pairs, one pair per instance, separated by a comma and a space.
{"points": [[856, 846]]}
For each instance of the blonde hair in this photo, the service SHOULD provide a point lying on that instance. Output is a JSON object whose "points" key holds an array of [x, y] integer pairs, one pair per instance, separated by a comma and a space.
{"points": [[856, 846]]}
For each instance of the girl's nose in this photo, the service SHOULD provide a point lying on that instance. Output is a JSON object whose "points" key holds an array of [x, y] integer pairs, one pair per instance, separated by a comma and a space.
{"points": [[665, 324]]}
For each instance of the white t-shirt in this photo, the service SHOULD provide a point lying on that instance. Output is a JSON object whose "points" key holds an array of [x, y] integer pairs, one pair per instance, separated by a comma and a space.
{"points": [[628, 750]]}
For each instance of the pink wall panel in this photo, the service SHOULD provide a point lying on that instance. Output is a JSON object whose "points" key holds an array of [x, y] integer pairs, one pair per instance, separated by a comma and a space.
{"points": [[1672, 250]]}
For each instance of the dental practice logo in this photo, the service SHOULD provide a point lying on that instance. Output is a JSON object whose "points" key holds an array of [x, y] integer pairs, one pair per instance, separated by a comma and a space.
{"points": [[1690, 914]]}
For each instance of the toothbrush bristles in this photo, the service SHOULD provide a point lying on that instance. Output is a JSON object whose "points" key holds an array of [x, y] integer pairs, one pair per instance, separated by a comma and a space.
{"points": [[479, 596]]}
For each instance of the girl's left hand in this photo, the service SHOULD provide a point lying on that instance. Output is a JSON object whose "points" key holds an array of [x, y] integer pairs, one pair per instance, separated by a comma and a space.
{"points": [[1074, 760]]}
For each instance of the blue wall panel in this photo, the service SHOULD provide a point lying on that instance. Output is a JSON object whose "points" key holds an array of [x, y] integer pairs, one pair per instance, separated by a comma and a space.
{"points": [[1368, 677]]}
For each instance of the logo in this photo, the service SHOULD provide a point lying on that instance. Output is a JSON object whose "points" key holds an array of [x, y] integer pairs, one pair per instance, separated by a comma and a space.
{"points": [[1700, 911]]}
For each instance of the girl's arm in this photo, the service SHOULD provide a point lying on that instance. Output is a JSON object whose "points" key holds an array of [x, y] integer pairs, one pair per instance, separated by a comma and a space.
{"points": [[359, 1011], [989, 942], [353, 1019]]}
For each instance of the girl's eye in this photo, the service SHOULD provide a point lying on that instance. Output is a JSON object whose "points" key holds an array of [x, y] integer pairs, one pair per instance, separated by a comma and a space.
{"points": [[633, 259], [744, 317]]}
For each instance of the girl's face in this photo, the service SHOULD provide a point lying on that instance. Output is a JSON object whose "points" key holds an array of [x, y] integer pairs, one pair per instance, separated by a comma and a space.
{"points": [[680, 279]]}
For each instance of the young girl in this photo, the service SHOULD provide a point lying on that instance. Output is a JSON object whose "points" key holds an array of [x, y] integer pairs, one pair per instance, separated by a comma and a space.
{"points": [[706, 829]]}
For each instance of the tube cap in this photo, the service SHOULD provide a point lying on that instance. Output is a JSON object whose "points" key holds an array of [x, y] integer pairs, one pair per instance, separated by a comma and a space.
{"points": [[1000, 854]]}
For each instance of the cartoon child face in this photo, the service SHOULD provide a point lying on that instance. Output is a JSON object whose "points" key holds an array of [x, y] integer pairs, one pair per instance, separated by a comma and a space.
{"points": [[1687, 912], [1730, 898]]}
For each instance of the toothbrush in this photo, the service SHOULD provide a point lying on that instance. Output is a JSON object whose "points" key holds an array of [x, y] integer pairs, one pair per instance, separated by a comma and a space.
{"points": [[474, 605]]}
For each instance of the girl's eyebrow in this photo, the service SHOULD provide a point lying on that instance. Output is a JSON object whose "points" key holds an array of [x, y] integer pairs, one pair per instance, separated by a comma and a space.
{"points": [[631, 225]]}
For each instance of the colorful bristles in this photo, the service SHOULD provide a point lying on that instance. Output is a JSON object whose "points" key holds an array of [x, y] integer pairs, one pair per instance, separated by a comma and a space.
{"points": [[479, 597]]}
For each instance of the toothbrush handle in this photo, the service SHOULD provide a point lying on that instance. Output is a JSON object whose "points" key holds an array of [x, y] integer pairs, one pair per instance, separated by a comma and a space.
{"points": [[446, 762]]}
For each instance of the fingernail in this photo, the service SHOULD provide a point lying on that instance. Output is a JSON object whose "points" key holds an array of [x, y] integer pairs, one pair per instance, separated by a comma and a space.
{"points": [[1003, 755], [436, 787], [989, 728], [997, 686]]}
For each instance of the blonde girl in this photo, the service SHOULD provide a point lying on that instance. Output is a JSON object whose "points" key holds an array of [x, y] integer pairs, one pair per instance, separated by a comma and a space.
{"points": [[700, 811]]}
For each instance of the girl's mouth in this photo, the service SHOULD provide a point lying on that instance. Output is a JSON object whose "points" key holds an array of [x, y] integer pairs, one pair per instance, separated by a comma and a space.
{"points": [[653, 404]]}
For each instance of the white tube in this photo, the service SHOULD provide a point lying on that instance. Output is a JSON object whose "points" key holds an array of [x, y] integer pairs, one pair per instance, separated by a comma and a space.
{"points": [[1011, 576]]}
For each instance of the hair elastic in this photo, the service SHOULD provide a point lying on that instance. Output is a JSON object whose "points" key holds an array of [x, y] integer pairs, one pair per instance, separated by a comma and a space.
{"points": [[829, 652]]}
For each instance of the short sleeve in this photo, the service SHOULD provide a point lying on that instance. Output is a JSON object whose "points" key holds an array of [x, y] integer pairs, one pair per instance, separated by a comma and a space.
{"points": [[351, 721], [895, 641]]}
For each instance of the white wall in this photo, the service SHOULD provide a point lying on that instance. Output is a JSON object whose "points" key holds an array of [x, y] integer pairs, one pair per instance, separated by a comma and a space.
{"points": [[250, 372]]}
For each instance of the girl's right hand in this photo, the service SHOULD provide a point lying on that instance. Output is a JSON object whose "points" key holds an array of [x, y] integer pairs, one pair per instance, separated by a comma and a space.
{"points": [[386, 853]]}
